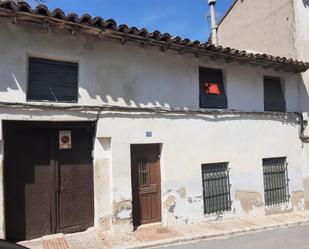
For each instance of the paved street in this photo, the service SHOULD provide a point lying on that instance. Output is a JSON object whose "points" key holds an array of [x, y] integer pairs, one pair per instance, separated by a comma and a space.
{"points": [[152, 236], [289, 238]]}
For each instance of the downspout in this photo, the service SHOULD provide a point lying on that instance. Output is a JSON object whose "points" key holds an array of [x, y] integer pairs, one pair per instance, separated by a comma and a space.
{"points": [[302, 125], [214, 27]]}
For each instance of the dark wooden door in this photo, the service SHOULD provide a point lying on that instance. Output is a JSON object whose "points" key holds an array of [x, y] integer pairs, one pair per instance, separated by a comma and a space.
{"points": [[75, 210], [146, 183], [47, 189], [27, 184]]}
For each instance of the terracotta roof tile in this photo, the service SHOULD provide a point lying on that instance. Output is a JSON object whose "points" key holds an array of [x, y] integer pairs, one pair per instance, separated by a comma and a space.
{"points": [[99, 25]]}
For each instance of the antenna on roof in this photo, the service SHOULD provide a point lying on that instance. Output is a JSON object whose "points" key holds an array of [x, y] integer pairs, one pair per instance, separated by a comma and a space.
{"points": [[214, 27]]}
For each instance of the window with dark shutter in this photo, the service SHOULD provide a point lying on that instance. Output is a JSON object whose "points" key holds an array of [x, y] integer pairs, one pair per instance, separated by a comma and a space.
{"points": [[51, 80], [212, 93], [273, 95]]}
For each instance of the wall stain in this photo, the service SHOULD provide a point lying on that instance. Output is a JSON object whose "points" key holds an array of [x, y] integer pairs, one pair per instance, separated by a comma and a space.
{"points": [[194, 199], [182, 192], [105, 223], [170, 203], [296, 198], [249, 200], [121, 207], [307, 205]]}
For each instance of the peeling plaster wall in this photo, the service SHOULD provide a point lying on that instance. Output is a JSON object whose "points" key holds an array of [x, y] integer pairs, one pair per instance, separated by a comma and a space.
{"points": [[111, 73], [189, 141], [103, 183]]}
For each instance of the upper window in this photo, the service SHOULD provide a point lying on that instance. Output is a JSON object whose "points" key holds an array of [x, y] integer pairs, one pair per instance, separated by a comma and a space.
{"points": [[212, 94], [51, 80], [273, 95]]}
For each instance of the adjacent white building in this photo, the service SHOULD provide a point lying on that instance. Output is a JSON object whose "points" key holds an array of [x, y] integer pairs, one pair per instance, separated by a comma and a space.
{"points": [[273, 27], [113, 127]]}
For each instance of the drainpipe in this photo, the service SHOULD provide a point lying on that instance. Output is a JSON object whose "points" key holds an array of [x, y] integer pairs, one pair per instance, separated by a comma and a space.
{"points": [[302, 125], [214, 27]]}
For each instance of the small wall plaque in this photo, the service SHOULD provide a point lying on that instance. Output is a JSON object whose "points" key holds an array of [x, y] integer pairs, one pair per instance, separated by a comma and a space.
{"points": [[65, 140], [148, 133]]}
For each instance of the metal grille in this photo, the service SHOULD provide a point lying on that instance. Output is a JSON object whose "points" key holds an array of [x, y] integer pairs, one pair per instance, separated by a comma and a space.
{"points": [[216, 186], [276, 182], [143, 173]]}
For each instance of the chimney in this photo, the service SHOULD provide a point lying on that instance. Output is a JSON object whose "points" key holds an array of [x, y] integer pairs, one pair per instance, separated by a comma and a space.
{"points": [[214, 27]]}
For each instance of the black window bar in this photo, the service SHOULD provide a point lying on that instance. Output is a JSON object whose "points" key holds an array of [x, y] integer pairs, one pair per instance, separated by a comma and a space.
{"points": [[216, 188], [276, 182]]}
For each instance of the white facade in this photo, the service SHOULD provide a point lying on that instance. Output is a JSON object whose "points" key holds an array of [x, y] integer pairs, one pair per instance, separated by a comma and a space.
{"points": [[129, 76], [275, 27]]}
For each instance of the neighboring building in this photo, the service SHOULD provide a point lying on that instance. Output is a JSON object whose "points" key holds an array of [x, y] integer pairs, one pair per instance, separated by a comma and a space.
{"points": [[277, 27], [112, 127]]}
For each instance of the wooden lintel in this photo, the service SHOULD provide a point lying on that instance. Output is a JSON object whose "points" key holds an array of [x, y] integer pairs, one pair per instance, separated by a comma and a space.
{"points": [[74, 31], [267, 66], [163, 48], [101, 34], [123, 40], [229, 60], [181, 51], [46, 26], [253, 64], [243, 62], [277, 69], [143, 44], [213, 57], [14, 19]]}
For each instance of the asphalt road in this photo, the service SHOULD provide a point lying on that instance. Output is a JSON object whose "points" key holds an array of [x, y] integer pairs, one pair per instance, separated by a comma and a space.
{"points": [[288, 238]]}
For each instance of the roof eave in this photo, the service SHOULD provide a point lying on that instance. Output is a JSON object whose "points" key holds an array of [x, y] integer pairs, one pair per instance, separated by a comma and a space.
{"points": [[109, 29]]}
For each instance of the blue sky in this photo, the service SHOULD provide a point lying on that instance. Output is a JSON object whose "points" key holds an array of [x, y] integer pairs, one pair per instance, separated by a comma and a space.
{"points": [[186, 18]]}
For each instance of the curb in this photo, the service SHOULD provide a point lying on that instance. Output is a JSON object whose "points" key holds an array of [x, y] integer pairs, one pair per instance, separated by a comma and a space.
{"points": [[183, 240]]}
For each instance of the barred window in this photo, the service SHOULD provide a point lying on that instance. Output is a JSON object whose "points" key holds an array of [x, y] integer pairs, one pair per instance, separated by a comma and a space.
{"points": [[216, 187], [276, 182]]}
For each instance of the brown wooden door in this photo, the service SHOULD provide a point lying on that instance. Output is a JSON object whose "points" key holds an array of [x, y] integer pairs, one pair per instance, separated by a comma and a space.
{"points": [[27, 184], [47, 189], [75, 205], [146, 183]]}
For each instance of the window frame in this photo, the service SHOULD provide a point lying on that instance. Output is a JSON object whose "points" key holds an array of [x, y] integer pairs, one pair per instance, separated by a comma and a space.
{"points": [[220, 172], [76, 97], [282, 88], [221, 99], [271, 177]]}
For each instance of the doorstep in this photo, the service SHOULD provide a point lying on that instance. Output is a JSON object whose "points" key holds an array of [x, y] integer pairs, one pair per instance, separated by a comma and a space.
{"points": [[83, 240]]}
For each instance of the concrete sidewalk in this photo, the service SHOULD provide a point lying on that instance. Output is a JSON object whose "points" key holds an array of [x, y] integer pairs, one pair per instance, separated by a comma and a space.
{"points": [[159, 235]]}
